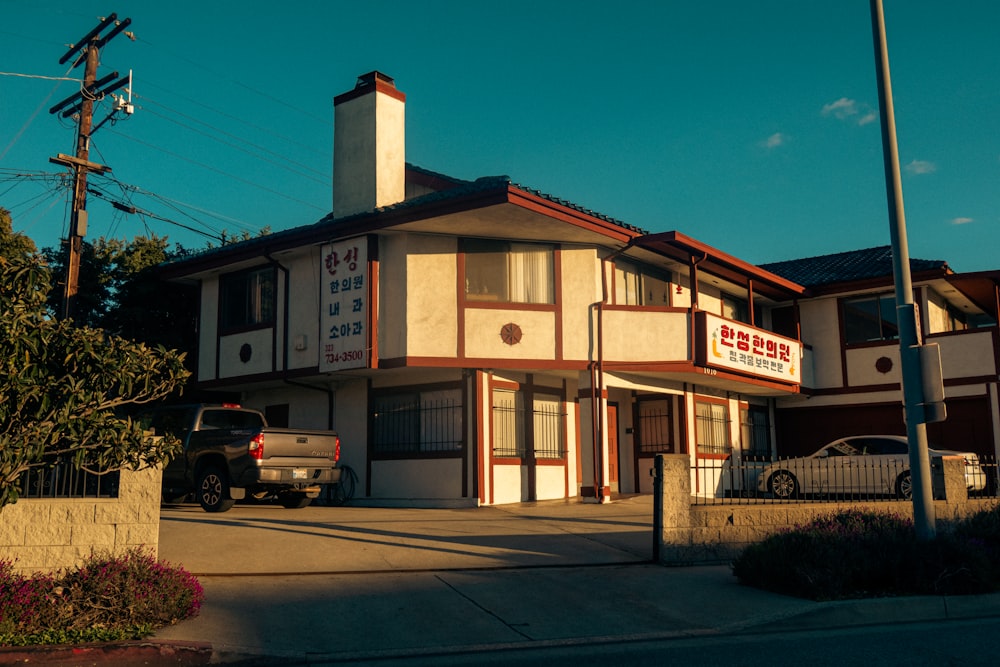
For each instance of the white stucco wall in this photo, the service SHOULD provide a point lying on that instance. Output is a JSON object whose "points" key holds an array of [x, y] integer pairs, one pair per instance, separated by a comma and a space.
{"points": [[581, 287], [482, 333], [431, 296], [820, 330], [643, 336], [261, 342], [969, 354], [303, 304], [392, 276], [510, 484], [421, 479], [208, 327], [550, 482]]}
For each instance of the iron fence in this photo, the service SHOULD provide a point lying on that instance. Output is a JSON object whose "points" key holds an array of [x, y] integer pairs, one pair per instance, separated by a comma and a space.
{"points": [[755, 479], [62, 479], [410, 425], [509, 431]]}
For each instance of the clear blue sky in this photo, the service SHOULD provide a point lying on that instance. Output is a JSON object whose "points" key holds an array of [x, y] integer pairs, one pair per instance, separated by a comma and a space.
{"points": [[751, 126]]}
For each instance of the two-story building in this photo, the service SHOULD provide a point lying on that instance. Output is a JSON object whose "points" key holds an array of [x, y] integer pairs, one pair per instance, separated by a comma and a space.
{"points": [[848, 323], [480, 342]]}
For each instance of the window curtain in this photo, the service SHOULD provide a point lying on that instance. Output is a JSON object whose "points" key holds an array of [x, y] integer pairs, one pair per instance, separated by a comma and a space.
{"points": [[530, 274]]}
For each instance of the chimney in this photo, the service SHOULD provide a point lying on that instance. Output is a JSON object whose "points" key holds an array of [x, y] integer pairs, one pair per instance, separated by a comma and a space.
{"points": [[369, 159]]}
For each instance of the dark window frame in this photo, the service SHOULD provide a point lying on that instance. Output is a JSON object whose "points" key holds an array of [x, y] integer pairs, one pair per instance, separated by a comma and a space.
{"points": [[864, 324], [248, 299], [481, 279]]}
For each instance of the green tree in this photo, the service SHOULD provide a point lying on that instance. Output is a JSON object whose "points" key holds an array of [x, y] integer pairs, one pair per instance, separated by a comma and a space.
{"points": [[120, 291], [65, 386], [13, 244]]}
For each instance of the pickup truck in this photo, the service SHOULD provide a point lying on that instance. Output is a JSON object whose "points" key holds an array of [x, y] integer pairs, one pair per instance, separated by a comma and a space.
{"points": [[230, 451]]}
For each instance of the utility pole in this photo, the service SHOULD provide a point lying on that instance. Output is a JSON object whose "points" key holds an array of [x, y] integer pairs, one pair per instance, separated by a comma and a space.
{"points": [[923, 388], [83, 103]]}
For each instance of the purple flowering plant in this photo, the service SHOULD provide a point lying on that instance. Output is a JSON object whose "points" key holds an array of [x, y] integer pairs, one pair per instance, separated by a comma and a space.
{"points": [[108, 597]]}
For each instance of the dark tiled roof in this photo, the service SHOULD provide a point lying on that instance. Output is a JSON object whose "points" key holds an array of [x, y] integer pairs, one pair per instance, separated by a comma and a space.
{"points": [[460, 189], [844, 267], [480, 184]]}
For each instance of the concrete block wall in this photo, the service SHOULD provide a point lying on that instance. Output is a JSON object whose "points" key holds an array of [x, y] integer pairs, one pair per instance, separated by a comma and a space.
{"points": [[45, 535], [703, 534]]}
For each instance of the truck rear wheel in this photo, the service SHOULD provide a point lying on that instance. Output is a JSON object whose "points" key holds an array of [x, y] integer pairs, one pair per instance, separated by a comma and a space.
{"points": [[213, 490], [294, 501]]}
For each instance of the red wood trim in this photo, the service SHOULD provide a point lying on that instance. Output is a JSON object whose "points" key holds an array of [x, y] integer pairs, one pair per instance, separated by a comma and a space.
{"points": [[480, 408], [646, 309], [373, 279], [557, 270], [549, 208]]}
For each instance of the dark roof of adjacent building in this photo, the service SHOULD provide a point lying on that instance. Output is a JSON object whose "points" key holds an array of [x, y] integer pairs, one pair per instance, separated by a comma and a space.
{"points": [[845, 267]]}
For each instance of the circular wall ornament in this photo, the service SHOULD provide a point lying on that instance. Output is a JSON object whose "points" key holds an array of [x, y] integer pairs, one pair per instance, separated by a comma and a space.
{"points": [[510, 333], [883, 365]]}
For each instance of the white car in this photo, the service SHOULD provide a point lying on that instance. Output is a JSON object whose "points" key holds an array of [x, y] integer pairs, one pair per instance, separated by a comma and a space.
{"points": [[862, 464]]}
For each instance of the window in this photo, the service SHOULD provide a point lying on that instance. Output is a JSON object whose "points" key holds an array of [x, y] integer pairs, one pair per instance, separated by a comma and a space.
{"points": [[508, 272], [870, 318], [229, 420], [508, 433], [655, 427], [735, 308], [510, 425], [955, 320], [712, 427], [247, 299], [548, 422], [755, 429], [418, 422], [639, 286]]}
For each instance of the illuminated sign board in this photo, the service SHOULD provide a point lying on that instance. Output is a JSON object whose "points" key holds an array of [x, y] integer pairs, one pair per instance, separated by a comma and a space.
{"points": [[739, 347]]}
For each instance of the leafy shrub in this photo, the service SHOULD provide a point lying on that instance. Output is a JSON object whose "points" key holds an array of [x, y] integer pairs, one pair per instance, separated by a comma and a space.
{"points": [[984, 528], [856, 554], [109, 597]]}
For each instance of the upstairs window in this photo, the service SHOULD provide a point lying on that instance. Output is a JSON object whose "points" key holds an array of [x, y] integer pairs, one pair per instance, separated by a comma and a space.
{"points": [[508, 272], [736, 309], [870, 318], [248, 299], [639, 286]]}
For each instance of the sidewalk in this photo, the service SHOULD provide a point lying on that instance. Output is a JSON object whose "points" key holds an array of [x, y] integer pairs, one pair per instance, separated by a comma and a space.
{"points": [[341, 584]]}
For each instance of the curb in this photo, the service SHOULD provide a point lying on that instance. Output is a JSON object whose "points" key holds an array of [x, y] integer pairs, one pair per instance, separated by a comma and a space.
{"points": [[120, 654]]}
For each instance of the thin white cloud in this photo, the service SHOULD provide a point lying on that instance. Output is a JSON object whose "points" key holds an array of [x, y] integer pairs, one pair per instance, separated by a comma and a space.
{"points": [[869, 117], [921, 167], [847, 109], [962, 221], [773, 141], [842, 108]]}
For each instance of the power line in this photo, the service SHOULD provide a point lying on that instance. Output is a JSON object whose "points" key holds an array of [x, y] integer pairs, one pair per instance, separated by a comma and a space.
{"points": [[201, 65], [243, 121], [220, 171], [325, 177]]}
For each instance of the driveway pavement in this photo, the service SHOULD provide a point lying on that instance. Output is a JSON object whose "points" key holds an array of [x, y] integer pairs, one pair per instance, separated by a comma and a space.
{"points": [[325, 585]]}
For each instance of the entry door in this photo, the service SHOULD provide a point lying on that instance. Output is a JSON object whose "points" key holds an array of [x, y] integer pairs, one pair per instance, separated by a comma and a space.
{"points": [[612, 428]]}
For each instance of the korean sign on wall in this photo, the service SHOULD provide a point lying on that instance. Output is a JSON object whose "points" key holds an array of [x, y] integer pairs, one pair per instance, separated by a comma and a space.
{"points": [[344, 302], [740, 347]]}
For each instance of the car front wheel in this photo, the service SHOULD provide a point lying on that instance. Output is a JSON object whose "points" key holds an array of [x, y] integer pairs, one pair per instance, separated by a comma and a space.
{"points": [[904, 486], [783, 484]]}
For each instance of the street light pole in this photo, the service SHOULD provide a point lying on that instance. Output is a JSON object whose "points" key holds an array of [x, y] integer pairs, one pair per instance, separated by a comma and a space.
{"points": [[909, 337]]}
